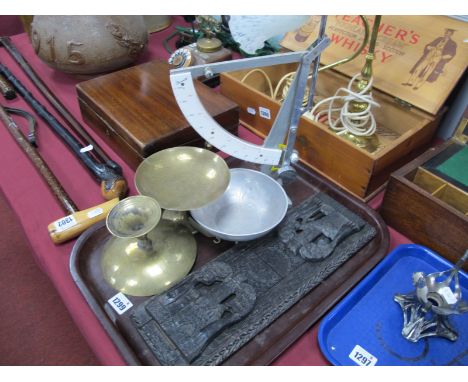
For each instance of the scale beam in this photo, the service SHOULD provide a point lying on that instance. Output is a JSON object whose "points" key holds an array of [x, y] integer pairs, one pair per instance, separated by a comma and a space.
{"points": [[244, 63], [287, 120], [211, 131]]}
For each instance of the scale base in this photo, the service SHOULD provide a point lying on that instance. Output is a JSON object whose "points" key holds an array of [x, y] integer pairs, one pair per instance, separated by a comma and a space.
{"points": [[138, 271]]}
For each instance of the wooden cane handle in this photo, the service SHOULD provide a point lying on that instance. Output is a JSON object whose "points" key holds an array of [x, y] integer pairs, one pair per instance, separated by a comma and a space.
{"points": [[73, 225], [111, 189]]}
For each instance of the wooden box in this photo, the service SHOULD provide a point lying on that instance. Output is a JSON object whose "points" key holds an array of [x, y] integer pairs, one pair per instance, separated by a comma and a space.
{"points": [[406, 119], [427, 205], [135, 111]]}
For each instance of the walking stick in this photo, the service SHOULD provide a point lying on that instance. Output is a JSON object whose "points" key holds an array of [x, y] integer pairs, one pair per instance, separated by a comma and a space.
{"points": [[72, 122], [112, 184], [76, 222]]}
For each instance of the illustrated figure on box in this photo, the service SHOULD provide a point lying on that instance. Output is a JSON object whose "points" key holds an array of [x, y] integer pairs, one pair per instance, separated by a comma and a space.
{"points": [[431, 64]]}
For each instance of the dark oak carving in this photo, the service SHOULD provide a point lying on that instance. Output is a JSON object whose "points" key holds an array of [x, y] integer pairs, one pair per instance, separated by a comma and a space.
{"points": [[216, 310]]}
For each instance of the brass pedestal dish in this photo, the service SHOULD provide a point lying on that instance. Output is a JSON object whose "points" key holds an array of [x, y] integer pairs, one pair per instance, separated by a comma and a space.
{"points": [[145, 256]]}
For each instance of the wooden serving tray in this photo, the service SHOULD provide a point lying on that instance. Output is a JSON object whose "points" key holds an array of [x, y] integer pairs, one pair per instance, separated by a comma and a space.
{"points": [[271, 342]]}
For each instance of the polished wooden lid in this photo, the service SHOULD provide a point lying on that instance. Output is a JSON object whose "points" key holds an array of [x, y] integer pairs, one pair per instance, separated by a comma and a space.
{"points": [[138, 104]]}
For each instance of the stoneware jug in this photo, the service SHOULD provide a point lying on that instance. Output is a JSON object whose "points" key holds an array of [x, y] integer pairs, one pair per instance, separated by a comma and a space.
{"points": [[88, 44]]}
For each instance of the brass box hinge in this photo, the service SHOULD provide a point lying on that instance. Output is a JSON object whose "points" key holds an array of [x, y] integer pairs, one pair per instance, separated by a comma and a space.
{"points": [[461, 133], [403, 103]]}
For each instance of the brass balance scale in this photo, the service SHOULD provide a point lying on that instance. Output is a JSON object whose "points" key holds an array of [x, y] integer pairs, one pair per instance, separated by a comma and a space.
{"points": [[147, 255], [151, 250]]}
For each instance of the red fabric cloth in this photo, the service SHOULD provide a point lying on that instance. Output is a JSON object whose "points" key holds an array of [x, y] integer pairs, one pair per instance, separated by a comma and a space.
{"points": [[32, 201], [36, 207], [35, 328], [10, 25]]}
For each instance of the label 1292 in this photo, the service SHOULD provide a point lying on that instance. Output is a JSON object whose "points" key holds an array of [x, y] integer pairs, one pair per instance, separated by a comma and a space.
{"points": [[65, 223]]}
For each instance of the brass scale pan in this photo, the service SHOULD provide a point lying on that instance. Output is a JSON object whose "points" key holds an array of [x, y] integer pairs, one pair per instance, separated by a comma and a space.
{"points": [[146, 256], [183, 178]]}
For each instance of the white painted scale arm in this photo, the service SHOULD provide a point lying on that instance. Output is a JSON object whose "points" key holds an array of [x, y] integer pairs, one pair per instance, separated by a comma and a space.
{"points": [[196, 114], [211, 131]]}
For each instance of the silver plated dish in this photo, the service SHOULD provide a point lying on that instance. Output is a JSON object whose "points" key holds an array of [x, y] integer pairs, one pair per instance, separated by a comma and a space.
{"points": [[252, 205]]}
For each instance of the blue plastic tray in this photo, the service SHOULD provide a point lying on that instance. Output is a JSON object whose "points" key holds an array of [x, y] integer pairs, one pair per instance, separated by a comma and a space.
{"points": [[368, 317]]}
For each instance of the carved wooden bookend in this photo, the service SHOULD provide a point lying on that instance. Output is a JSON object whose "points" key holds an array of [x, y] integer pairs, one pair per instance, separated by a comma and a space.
{"points": [[216, 310], [314, 232]]}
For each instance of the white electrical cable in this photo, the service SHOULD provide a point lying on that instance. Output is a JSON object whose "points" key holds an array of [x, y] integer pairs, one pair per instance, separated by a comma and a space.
{"points": [[361, 123]]}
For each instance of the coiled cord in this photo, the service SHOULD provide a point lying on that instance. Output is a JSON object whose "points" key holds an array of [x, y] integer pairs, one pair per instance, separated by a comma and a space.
{"points": [[360, 123], [270, 86]]}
